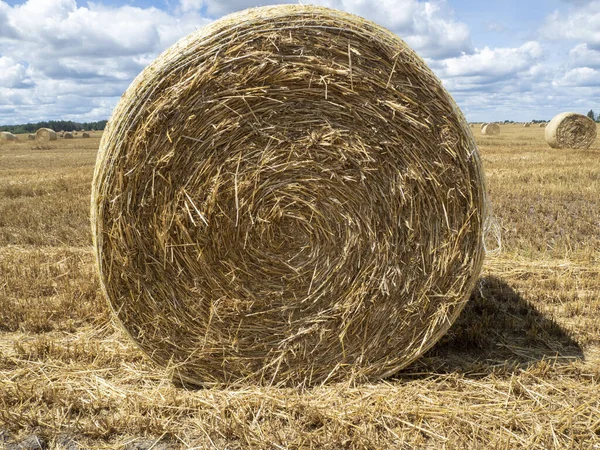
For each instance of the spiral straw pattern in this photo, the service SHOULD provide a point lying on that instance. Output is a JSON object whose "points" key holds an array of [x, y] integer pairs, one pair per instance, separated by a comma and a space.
{"points": [[288, 196]]}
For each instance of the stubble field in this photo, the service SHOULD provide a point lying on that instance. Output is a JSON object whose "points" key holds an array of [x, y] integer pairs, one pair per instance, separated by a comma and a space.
{"points": [[519, 369]]}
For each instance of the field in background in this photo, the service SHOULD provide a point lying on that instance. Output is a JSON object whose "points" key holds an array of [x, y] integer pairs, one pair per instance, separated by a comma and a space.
{"points": [[520, 368]]}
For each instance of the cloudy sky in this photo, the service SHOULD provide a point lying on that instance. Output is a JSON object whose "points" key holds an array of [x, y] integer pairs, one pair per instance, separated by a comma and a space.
{"points": [[511, 59]]}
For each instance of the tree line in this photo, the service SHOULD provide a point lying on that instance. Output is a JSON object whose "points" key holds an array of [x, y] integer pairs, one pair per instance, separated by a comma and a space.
{"points": [[593, 116], [56, 125]]}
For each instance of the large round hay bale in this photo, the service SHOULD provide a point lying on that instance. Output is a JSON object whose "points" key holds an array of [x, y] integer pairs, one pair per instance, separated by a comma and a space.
{"points": [[45, 134], [570, 130], [68, 135], [85, 135], [491, 129], [7, 136], [483, 125], [527, 125], [288, 195]]}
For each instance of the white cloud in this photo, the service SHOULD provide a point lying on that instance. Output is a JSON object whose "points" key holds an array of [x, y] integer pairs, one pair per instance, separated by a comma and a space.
{"points": [[61, 60], [582, 56], [78, 60], [13, 74], [580, 77], [491, 65], [63, 57], [582, 24]]}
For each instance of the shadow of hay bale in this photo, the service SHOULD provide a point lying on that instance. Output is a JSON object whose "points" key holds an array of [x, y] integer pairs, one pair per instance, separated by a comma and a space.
{"points": [[498, 332]]}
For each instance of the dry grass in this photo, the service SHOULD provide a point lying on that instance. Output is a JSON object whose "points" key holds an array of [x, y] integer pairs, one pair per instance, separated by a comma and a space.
{"points": [[519, 369]]}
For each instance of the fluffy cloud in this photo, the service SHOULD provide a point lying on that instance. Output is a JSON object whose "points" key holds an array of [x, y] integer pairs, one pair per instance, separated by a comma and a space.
{"points": [[13, 74], [580, 77], [60, 58], [581, 24], [71, 59], [487, 66], [75, 62], [582, 56]]}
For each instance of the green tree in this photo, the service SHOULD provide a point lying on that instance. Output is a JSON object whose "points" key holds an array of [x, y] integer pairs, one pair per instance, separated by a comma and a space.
{"points": [[591, 114]]}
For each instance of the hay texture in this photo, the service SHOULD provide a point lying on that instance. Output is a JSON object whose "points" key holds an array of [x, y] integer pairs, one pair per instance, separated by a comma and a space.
{"points": [[45, 134], [527, 125], [288, 196], [491, 129], [483, 125], [31, 137], [7, 136], [85, 135], [570, 130], [68, 135]]}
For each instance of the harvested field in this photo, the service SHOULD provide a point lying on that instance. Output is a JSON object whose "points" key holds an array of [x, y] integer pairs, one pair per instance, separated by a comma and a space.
{"points": [[519, 369]]}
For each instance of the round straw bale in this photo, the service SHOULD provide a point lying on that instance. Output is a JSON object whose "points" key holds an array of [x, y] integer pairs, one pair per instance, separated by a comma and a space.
{"points": [[45, 134], [7, 136], [287, 196], [68, 135], [570, 130], [85, 135], [31, 137], [491, 129], [483, 125]]}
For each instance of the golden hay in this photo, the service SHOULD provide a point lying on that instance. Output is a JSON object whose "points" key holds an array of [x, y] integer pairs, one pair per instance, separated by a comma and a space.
{"points": [[483, 125], [491, 129], [45, 134], [7, 136], [31, 137], [287, 196], [68, 135], [570, 130], [527, 125], [85, 135]]}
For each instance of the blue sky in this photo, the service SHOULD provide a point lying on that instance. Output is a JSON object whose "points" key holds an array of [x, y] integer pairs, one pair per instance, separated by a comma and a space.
{"points": [[515, 60]]}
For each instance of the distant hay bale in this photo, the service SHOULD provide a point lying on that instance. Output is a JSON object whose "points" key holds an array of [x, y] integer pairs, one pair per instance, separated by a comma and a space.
{"points": [[45, 134], [31, 137], [7, 136], [249, 228], [542, 125], [85, 135], [570, 130], [491, 129], [483, 125], [68, 135], [527, 125]]}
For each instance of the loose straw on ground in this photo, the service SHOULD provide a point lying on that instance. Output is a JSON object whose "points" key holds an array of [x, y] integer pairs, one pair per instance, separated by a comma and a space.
{"points": [[287, 196]]}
